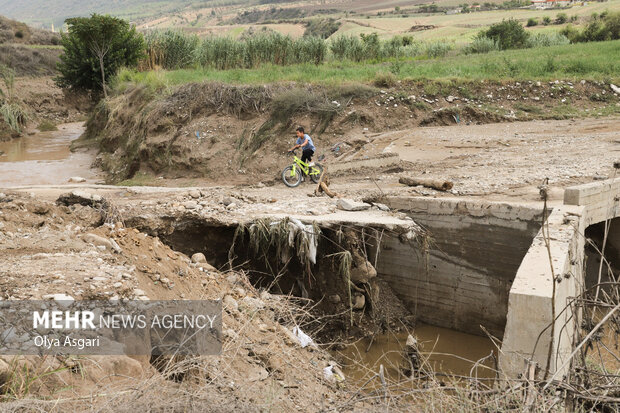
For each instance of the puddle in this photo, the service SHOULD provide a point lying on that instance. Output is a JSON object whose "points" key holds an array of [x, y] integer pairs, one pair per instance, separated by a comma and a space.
{"points": [[45, 159], [447, 351]]}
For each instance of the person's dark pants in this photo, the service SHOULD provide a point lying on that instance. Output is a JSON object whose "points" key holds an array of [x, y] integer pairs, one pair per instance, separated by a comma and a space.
{"points": [[306, 155]]}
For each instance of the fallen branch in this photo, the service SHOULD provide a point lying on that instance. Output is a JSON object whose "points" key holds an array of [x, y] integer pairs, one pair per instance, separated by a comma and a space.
{"points": [[323, 186], [429, 183]]}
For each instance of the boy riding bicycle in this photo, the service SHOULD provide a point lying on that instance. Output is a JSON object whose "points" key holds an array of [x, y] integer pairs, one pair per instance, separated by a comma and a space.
{"points": [[305, 143]]}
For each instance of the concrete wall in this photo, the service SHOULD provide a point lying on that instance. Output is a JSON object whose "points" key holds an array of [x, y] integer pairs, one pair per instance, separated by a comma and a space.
{"points": [[545, 285], [476, 250]]}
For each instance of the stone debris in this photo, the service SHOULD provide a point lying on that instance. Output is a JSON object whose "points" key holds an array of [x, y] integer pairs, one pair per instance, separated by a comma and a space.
{"points": [[77, 179], [350, 205]]}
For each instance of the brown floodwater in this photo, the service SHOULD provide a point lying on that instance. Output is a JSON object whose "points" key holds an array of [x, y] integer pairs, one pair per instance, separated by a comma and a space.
{"points": [[445, 351], [44, 158]]}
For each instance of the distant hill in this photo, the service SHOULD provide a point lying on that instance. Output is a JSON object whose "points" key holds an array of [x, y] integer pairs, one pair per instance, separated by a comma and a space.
{"points": [[26, 50], [43, 13]]}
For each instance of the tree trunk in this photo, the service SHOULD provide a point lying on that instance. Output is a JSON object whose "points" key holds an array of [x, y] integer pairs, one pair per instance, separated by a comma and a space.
{"points": [[105, 93], [429, 183]]}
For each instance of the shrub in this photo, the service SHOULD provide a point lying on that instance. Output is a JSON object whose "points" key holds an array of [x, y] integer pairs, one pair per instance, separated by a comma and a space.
{"points": [[605, 26], [531, 22], [384, 79], [561, 18], [509, 34], [437, 49], [482, 45], [547, 39], [546, 20]]}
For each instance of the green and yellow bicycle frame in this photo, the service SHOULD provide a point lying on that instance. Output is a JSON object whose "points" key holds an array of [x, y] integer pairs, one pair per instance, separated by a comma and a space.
{"points": [[304, 167]]}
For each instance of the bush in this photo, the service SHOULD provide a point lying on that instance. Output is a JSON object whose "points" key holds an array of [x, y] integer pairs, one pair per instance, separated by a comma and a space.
{"points": [[531, 22], [561, 18], [546, 20], [482, 45], [509, 34], [605, 26], [547, 39], [97, 47], [437, 49], [384, 79]]}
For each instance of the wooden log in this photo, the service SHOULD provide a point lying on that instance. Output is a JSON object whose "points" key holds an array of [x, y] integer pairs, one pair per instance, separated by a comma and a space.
{"points": [[429, 183], [323, 186]]}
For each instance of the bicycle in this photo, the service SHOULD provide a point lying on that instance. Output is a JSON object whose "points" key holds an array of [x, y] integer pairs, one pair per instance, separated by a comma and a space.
{"points": [[292, 174]]}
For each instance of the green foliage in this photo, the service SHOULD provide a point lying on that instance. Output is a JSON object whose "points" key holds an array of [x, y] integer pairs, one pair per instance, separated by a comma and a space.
{"points": [[509, 34], [561, 18], [531, 22], [263, 48], [96, 47], [437, 49], [547, 39], [170, 49], [605, 26], [482, 45], [546, 20], [10, 109], [370, 47]]}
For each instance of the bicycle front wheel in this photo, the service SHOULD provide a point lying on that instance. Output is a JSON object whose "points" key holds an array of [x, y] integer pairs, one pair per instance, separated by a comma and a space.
{"points": [[315, 173], [291, 177]]}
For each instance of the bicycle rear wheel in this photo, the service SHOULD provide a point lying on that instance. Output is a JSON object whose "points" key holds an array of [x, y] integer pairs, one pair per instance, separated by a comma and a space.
{"points": [[290, 177], [315, 173]]}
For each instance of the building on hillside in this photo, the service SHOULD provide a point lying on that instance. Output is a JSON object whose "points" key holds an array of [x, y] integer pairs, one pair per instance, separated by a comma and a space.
{"points": [[549, 4]]}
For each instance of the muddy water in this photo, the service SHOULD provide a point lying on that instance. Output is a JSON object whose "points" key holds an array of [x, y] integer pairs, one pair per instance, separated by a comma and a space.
{"points": [[446, 351], [44, 158]]}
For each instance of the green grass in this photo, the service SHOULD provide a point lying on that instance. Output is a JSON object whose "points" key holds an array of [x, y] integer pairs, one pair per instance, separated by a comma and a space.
{"points": [[591, 61], [139, 179]]}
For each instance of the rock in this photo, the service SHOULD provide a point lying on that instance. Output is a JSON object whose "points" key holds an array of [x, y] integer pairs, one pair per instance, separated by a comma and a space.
{"points": [[190, 205], [363, 273], [230, 303], [41, 209], [252, 304], [265, 296], [77, 179], [138, 292], [194, 193], [232, 278], [451, 98], [80, 197], [381, 207], [335, 299], [359, 302], [615, 88], [100, 241], [64, 299], [231, 206], [350, 205], [199, 257], [227, 201]]}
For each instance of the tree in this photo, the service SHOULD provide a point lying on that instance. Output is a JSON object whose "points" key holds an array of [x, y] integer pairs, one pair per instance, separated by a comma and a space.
{"points": [[97, 47], [508, 34]]}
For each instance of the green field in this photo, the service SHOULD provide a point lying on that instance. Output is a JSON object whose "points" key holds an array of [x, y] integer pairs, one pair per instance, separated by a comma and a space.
{"points": [[593, 61]]}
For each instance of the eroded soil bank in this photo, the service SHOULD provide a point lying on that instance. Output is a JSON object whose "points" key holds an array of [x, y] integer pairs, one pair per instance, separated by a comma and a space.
{"points": [[238, 134]]}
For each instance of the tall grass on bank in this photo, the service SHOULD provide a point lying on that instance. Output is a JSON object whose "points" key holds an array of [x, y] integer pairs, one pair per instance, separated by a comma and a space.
{"points": [[593, 61]]}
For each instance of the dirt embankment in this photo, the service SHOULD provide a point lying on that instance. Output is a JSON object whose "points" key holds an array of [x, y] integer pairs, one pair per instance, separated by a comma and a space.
{"points": [[51, 248], [238, 133]]}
